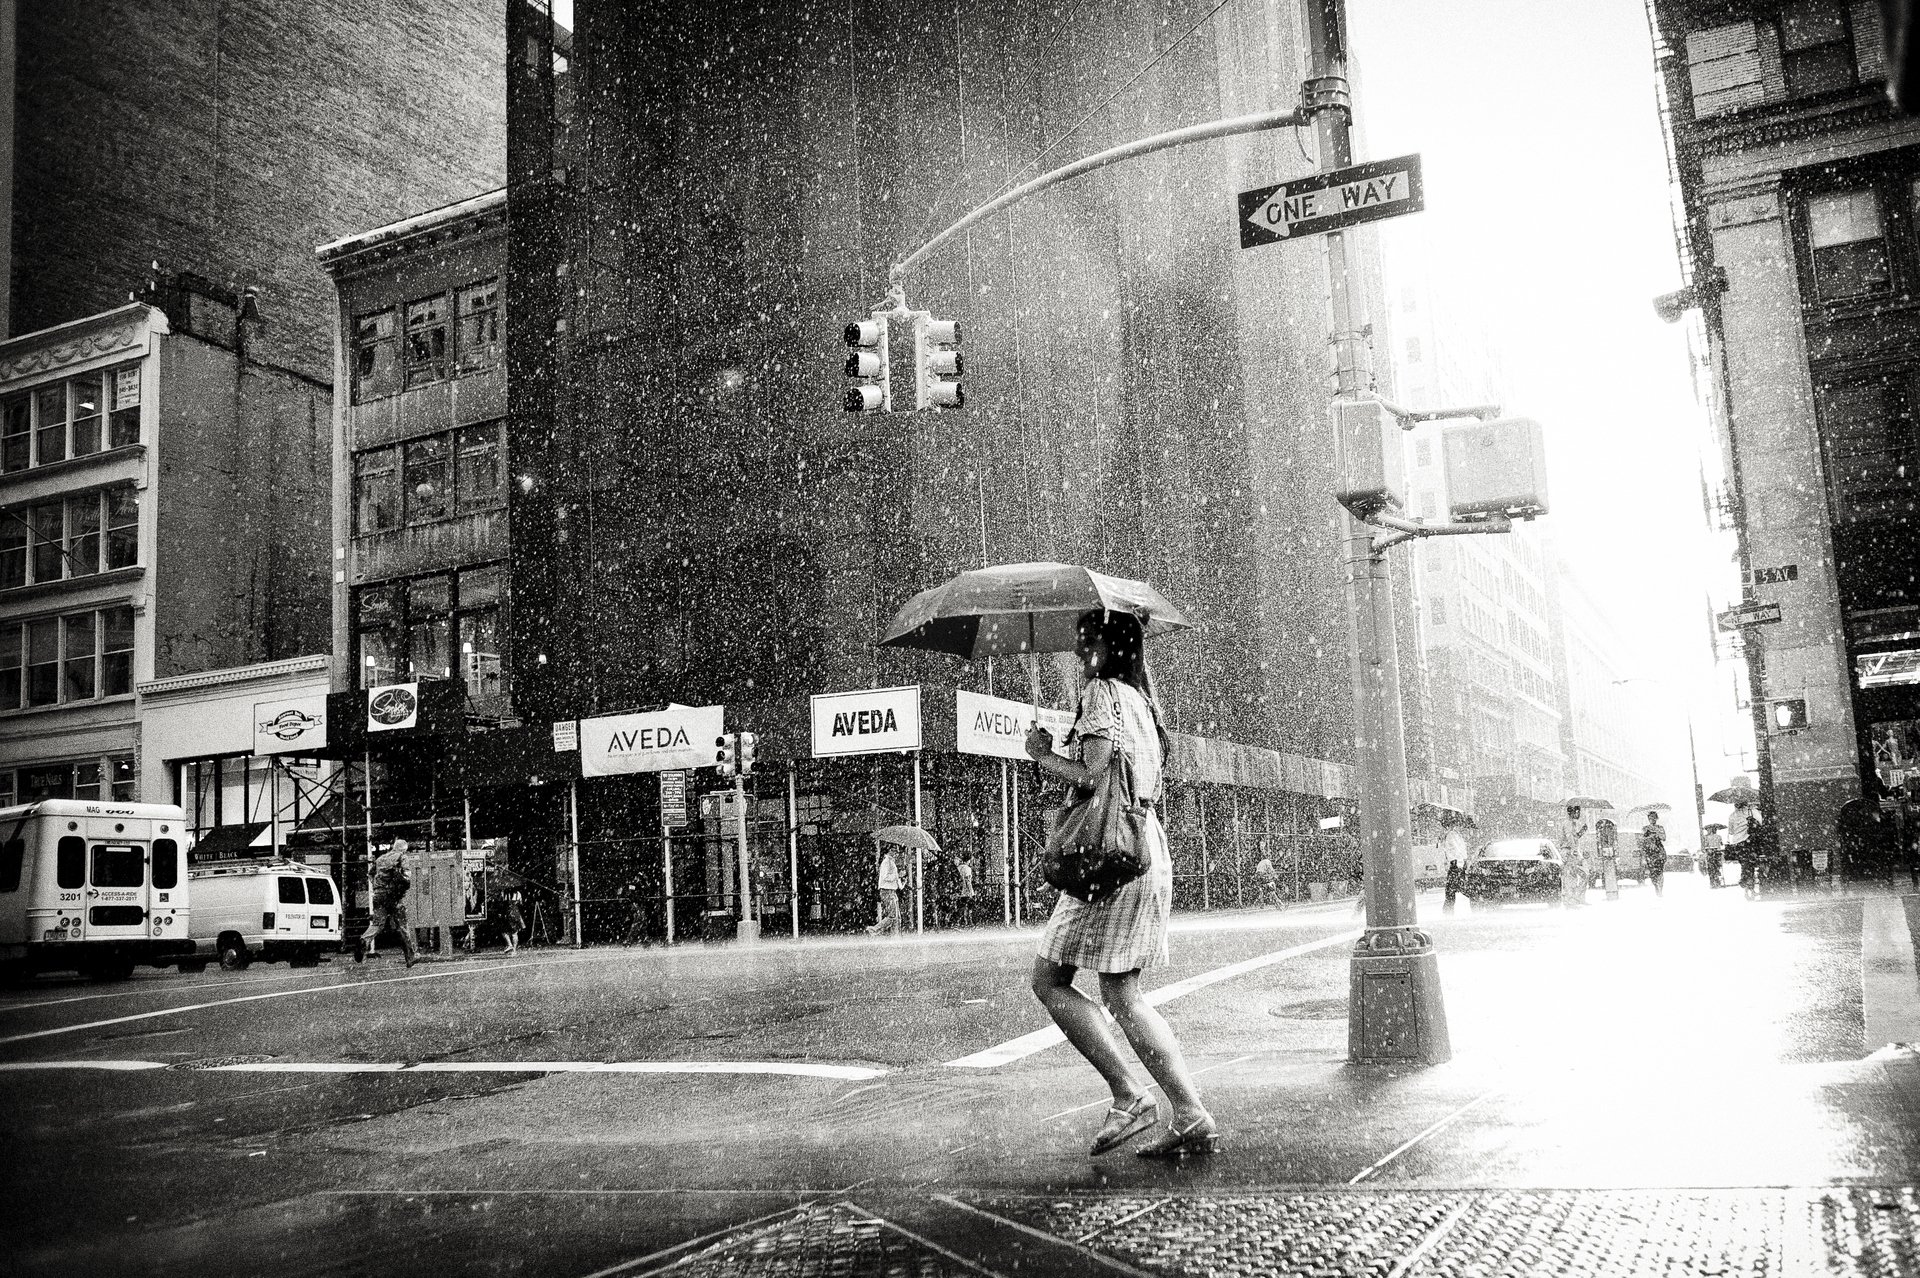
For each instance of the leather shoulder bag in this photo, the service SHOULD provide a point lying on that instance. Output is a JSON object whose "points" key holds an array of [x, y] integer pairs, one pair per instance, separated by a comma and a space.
{"points": [[1100, 845]]}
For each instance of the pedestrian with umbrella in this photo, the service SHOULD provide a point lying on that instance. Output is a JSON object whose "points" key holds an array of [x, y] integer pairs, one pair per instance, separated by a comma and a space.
{"points": [[1713, 848], [1105, 622], [889, 880], [1653, 850]]}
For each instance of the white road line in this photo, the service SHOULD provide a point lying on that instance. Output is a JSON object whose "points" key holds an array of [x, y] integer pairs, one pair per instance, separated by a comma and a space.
{"points": [[1039, 1040], [155, 987], [790, 1069], [1889, 985], [1368, 1171]]}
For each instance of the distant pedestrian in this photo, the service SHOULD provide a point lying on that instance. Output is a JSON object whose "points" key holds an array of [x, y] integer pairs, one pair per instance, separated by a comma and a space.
{"points": [[390, 883], [1713, 848], [511, 920], [967, 894], [1126, 931], [1268, 879], [1743, 845], [1576, 840], [1653, 850], [890, 883], [1456, 879]]}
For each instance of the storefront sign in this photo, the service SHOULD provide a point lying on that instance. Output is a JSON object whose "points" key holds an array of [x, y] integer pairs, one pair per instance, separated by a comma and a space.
{"points": [[393, 707], [295, 726], [997, 727], [679, 737], [870, 721]]}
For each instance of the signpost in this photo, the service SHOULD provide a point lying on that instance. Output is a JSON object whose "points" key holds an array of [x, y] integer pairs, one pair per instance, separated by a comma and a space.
{"points": [[1743, 615], [1330, 201]]}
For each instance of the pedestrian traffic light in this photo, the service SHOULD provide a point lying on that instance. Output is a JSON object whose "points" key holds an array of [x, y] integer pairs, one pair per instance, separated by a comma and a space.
{"points": [[744, 758], [870, 391], [936, 363], [1789, 714], [726, 756]]}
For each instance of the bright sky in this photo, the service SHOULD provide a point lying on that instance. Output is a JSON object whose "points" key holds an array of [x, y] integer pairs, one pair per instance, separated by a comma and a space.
{"points": [[1548, 218]]}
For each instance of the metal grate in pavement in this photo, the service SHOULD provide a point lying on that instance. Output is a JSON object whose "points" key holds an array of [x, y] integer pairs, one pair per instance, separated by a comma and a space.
{"points": [[818, 1241]]}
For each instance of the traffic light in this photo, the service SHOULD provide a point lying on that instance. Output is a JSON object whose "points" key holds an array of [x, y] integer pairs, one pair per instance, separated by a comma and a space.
{"points": [[744, 759], [727, 756], [1789, 715], [870, 391], [937, 365]]}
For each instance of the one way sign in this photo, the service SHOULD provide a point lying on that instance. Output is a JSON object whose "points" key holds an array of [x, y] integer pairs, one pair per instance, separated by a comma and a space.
{"points": [[1329, 201]]}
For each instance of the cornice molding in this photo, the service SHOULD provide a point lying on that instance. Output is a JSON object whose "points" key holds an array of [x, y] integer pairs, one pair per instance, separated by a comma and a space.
{"points": [[237, 676], [117, 330]]}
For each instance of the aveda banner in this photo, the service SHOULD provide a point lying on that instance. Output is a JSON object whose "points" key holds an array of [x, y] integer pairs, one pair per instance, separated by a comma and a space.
{"points": [[678, 737], [869, 721], [997, 727]]}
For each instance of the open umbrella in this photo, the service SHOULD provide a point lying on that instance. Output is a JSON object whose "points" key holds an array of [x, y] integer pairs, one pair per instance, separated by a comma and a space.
{"points": [[907, 836], [1577, 802], [1714, 825], [1734, 794], [1014, 608]]}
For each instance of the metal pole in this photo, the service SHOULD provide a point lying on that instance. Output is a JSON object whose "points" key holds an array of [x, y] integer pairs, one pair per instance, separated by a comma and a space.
{"points": [[1007, 851], [1206, 864], [749, 929], [1013, 866], [1395, 1011], [573, 856], [666, 871], [793, 849], [466, 819], [919, 857], [367, 815], [1239, 857], [273, 800]]}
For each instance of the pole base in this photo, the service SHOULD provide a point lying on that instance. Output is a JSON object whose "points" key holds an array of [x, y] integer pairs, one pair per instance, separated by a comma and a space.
{"points": [[1395, 1013], [747, 930]]}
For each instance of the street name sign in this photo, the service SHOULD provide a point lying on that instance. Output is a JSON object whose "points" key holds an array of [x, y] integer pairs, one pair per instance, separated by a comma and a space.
{"points": [[870, 721], [1330, 201], [997, 727], [680, 737], [1749, 614]]}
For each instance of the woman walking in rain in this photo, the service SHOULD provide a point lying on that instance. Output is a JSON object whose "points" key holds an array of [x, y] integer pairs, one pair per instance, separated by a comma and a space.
{"points": [[1576, 839], [1127, 931]]}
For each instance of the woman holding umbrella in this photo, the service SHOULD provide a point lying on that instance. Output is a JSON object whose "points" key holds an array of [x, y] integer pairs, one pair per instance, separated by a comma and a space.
{"points": [[1126, 931]]}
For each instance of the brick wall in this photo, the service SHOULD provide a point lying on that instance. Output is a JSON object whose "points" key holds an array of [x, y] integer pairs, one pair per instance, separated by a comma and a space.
{"points": [[229, 137]]}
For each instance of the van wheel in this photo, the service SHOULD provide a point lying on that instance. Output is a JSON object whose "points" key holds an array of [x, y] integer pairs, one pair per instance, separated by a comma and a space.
{"points": [[112, 969], [233, 954]]}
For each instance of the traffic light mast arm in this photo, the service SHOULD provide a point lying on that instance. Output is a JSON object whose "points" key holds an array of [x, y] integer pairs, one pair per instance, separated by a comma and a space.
{"points": [[1407, 529], [1125, 151]]}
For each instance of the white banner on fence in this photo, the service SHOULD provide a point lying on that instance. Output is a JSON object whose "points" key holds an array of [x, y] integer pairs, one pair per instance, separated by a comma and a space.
{"points": [[998, 727], [868, 721], [679, 737]]}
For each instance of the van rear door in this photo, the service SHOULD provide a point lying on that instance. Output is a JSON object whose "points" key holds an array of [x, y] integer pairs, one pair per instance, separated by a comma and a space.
{"points": [[118, 893]]}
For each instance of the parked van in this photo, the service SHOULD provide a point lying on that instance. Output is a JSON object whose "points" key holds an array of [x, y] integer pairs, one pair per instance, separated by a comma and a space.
{"points": [[91, 887], [271, 910]]}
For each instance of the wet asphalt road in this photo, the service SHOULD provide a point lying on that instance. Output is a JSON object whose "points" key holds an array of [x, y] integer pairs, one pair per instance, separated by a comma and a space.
{"points": [[1700, 1040]]}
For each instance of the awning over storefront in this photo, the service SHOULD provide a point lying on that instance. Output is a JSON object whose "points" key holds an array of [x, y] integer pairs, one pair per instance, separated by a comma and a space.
{"points": [[226, 841]]}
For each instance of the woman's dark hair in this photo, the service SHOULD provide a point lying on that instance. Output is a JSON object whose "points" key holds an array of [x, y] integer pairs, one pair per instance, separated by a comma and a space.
{"points": [[1126, 645]]}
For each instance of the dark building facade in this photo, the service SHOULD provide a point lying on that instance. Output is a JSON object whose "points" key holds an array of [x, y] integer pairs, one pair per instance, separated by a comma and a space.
{"points": [[228, 137], [1796, 193]]}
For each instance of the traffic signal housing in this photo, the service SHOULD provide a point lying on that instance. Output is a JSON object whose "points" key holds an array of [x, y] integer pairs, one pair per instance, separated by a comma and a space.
{"points": [[743, 757], [726, 756], [870, 389], [937, 364]]}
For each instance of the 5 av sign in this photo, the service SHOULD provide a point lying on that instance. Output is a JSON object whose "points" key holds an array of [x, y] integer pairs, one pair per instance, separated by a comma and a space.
{"points": [[1330, 201]]}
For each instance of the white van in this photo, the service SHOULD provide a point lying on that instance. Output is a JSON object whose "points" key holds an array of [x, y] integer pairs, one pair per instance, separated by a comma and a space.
{"points": [[272, 910]]}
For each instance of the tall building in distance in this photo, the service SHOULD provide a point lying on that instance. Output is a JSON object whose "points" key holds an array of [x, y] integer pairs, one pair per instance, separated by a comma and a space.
{"points": [[1795, 185]]}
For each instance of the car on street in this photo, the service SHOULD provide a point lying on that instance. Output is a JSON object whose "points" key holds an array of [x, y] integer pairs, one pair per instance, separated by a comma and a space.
{"points": [[1508, 871]]}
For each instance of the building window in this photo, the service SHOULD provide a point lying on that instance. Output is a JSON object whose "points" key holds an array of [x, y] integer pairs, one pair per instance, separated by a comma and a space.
{"points": [[55, 660], [427, 340], [1423, 452], [1816, 47], [47, 527], [376, 476], [43, 662], [79, 664], [1868, 434], [86, 780], [428, 480], [1848, 240], [10, 672], [62, 539], [478, 475], [1437, 610], [16, 433], [13, 550], [430, 627], [435, 627], [376, 356], [478, 338], [50, 424], [123, 527], [109, 778], [116, 652], [85, 410], [1413, 350], [66, 419], [123, 423]]}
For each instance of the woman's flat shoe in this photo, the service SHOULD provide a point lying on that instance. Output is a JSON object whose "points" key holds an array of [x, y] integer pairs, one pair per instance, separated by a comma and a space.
{"points": [[1198, 1137], [1124, 1123]]}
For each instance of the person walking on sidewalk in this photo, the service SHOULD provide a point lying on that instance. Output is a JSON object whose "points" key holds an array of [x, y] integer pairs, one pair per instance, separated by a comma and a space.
{"points": [[1576, 838], [1742, 845], [1653, 851], [1127, 931], [890, 884], [390, 884], [966, 894]]}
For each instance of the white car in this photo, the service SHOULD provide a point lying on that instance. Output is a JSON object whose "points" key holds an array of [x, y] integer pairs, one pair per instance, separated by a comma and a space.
{"points": [[271, 910]]}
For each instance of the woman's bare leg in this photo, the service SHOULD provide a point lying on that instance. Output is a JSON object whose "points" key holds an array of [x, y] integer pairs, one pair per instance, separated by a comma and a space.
{"points": [[1153, 1042], [1085, 1026]]}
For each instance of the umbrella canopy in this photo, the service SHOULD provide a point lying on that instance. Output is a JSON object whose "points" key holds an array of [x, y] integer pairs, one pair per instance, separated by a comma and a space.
{"points": [[1715, 825], [1734, 794], [907, 836], [1011, 608], [1577, 802]]}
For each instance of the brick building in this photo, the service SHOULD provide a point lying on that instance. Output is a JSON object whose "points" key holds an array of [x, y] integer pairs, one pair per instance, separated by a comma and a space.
{"points": [[1795, 210]]}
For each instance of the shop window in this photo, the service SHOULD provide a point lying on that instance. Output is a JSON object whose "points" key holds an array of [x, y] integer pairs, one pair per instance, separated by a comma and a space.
{"points": [[376, 356], [478, 343], [1848, 240], [426, 340], [10, 675], [428, 480], [83, 535], [479, 476], [123, 527], [1816, 47], [118, 865], [480, 587], [86, 780], [79, 665], [48, 531], [379, 658], [123, 421], [1868, 434], [16, 433], [13, 550], [50, 434], [120, 779], [70, 862], [116, 653], [43, 662], [85, 408], [376, 476], [6, 787], [480, 663], [166, 863], [430, 627]]}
